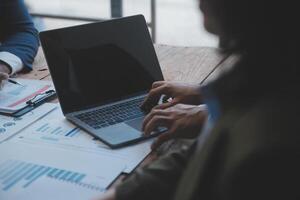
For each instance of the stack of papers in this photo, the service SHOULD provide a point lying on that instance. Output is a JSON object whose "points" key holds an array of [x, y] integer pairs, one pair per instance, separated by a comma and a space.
{"points": [[57, 132], [44, 156]]}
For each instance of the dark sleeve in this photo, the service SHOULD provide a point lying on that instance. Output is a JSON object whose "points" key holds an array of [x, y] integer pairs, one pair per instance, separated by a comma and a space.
{"points": [[272, 176], [18, 34], [157, 180]]}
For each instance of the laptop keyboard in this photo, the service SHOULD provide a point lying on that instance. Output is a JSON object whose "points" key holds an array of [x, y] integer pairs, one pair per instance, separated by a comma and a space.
{"points": [[111, 115]]}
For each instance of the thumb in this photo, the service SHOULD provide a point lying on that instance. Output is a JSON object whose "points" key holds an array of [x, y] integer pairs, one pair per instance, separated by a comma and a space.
{"points": [[3, 76]]}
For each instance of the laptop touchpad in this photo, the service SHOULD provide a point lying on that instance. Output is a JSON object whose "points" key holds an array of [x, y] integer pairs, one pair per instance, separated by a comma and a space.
{"points": [[118, 133], [136, 123]]}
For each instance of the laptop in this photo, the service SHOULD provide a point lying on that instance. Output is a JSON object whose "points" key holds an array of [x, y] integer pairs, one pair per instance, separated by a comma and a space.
{"points": [[102, 72]]}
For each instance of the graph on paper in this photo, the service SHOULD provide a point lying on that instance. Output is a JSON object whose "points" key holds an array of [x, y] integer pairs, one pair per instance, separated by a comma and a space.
{"points": [[53, 131], [14, 173], [9, 126], [36, 171], [57, 130]]}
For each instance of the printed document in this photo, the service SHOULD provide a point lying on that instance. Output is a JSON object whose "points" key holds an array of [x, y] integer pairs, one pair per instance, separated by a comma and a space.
{"points": [[56, 131], [37, 172], [9, 126], [13, 97]]}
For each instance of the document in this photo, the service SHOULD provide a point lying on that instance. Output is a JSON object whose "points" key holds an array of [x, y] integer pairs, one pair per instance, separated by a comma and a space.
{"points": [[13, 97], [55, 189], [9, 126], [55, 131], [37, 172]]}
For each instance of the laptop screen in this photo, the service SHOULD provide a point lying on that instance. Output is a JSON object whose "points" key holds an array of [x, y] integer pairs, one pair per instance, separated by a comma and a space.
{"points": [[98, 63]]}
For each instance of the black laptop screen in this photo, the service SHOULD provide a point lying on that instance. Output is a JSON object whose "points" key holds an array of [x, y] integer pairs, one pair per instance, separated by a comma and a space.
{"points": [[97, 63]]}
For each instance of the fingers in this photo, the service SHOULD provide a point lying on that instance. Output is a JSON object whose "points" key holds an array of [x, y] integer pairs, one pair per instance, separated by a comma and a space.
{"points": [[153, 97], [165, 105], [158, 84], [3, 76], [150, 116], [154, 121]]}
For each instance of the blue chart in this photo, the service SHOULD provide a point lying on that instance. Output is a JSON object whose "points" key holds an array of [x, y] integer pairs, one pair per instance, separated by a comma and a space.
{"points": [[49, 129], [13, 173]]}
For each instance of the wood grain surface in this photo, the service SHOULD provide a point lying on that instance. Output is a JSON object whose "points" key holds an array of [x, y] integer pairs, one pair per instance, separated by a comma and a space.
{"points": [[188, 64]]}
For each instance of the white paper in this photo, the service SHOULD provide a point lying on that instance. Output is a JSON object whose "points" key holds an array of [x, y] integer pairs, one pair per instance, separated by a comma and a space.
{"points": [[9, 126], [14, 96], [36, 169], [52, 189], [55, 131]]}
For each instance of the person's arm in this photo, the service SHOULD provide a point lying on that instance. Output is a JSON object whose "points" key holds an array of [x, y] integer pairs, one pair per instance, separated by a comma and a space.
{"points": [[19, 38], [182, 121], [155, 181]]}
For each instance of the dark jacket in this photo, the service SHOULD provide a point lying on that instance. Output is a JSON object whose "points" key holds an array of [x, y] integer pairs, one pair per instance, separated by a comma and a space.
{"points": [[17, 33], [252, 152]]}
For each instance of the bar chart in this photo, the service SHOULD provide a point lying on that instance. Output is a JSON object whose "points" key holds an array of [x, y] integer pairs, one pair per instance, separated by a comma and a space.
{"points": [[23, 174], [57, 130], [39, 171]]}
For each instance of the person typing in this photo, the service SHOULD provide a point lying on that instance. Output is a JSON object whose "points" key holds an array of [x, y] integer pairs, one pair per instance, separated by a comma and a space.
{"points": [[248, 145]]}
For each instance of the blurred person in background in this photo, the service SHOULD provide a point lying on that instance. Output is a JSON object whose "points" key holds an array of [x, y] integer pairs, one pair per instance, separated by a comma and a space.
{"points": [[18, 38], [248, 147]]}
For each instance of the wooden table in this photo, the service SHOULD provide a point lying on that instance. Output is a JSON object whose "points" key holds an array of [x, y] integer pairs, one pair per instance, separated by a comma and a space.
{"points": [[186, 64]]}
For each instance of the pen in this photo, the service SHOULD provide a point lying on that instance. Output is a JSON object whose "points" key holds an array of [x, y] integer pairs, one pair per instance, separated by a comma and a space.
{"points": [[14, 82]]}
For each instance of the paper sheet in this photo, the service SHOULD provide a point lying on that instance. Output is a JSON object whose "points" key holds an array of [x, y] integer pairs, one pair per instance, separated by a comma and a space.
{"points": [[38, 171], [53, 189], [9, 126], [56, 131], [14, 96]]}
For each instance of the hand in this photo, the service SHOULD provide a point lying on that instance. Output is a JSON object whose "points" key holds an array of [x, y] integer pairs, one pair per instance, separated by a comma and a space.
{"points": [[109, 195], [179, 92], [4, 70], [182, 121]]}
